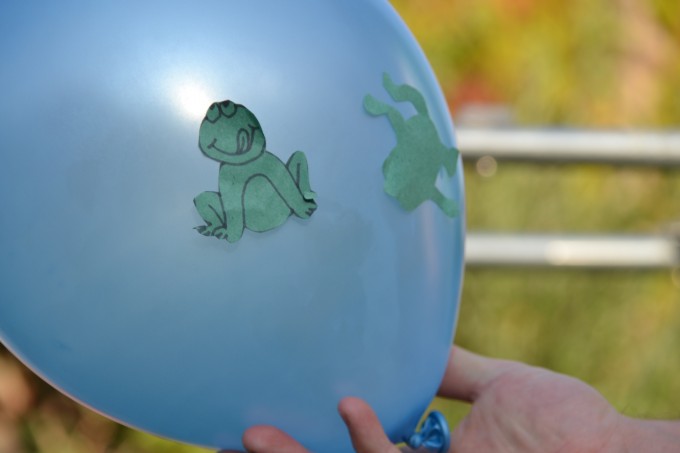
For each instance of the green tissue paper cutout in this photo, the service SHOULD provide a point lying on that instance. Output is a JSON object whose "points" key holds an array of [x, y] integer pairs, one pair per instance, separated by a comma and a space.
{"points": [[256, 189], [411, 169]]}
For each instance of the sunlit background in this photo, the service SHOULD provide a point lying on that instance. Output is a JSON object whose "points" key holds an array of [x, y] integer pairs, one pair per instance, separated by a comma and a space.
{"points": [[510, 63]]}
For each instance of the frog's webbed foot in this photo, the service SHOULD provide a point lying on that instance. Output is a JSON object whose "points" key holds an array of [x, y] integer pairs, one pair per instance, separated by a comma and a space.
{"points": [[209, 206], [203, 229], [219, 231], [303, 207], [306, 210]]}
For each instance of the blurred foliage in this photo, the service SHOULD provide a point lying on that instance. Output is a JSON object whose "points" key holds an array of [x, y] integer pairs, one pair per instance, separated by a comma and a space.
{"points": [[585, 63], [592, 63]]}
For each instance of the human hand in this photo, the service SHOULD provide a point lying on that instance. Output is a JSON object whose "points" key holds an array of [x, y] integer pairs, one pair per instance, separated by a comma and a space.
{"points": [[364, 428], [520, 408], [515, 408]]}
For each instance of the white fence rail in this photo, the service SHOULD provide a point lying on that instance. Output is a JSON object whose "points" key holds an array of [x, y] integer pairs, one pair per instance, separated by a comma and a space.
{"points": [[614, 251], [558, 145]]}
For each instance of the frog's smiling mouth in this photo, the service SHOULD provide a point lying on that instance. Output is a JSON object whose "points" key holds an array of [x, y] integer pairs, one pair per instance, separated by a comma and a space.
{"points": [[218, 149]]}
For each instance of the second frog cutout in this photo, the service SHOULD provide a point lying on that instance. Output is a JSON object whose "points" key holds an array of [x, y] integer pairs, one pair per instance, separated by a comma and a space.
{"points": [[412, 167]]}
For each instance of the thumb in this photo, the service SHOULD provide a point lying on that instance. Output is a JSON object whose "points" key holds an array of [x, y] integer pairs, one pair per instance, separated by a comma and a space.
{"points": [[364, 427], [467, 374]]}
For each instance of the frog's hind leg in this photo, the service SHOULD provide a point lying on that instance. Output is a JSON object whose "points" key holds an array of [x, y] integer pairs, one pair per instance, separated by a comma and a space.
{"points": [[209, 206], [401, 93], [446, 204], [298, 168]]}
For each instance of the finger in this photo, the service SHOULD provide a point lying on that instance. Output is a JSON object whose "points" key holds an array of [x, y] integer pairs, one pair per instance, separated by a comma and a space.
{"points": [[267, 439], [364, 427], [467, 374]]}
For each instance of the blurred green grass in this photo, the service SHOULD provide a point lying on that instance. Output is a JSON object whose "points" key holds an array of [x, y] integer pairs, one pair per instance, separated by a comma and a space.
{"points": [[585, 63]]}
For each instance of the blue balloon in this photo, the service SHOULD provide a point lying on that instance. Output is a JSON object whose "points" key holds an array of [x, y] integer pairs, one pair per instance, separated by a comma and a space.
{"points": [[108, 289]]}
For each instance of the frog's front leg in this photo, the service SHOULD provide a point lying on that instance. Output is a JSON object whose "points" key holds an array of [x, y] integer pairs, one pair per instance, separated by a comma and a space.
{"points": [[401, 93], [376, 108], [209, 206], [298, 168]]}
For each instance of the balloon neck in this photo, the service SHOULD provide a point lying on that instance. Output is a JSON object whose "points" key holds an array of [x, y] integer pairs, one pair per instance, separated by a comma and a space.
{"points": [[434, 434]]}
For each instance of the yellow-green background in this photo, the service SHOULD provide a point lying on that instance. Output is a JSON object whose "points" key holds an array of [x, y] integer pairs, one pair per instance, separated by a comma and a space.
{"points": [[581, 63]]}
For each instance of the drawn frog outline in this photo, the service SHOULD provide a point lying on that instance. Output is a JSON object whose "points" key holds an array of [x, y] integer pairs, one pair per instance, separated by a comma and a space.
{"points": [[256, 189]]}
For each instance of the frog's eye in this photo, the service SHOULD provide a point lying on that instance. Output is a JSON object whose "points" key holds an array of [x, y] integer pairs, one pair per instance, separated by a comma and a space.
{"points": [[228, 108], [213, 113]]}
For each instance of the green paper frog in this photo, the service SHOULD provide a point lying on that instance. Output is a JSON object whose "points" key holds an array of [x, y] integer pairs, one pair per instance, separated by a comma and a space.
{"points": [[256, 189], [412, 167]]}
